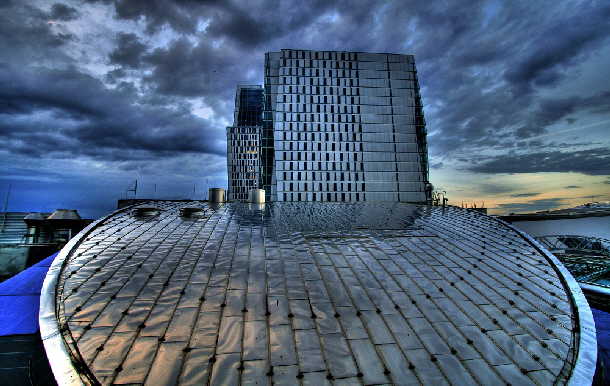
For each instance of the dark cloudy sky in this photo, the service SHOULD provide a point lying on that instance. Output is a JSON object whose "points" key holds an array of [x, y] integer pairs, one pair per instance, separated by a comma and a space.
{"points": [[96, 94]]}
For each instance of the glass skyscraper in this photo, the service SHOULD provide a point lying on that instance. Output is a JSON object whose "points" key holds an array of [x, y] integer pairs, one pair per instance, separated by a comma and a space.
{"points": [[243, 142], [342, 127]]}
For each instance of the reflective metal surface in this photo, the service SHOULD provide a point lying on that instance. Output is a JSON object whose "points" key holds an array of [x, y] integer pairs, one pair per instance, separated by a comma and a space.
{"points": [[315, 293]]}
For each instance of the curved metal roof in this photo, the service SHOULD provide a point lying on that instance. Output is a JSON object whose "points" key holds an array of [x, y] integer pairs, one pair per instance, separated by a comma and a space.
{"points": [[312, 293]]}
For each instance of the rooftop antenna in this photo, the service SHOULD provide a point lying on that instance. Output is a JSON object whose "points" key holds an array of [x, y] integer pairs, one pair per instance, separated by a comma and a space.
{"points": [[155, 194], [134, 189], [8, 193]]}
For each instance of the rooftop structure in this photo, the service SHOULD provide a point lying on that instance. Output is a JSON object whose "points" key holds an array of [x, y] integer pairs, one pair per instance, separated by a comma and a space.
{"points": [[28, 237], [588, 259], [312, 293]]}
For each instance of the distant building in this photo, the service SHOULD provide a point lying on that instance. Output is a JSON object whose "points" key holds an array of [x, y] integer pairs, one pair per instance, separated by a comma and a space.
{"points": [[26, 238], [336, 126], [243, 142]]}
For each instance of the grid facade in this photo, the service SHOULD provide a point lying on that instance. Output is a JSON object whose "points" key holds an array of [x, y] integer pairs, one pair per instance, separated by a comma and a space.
{"points": [[344, 126], [243, 143]]}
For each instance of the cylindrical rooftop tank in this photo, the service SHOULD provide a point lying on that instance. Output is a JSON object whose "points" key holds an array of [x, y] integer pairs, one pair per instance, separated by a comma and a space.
{"points": [[216, 195], [257, 196]]}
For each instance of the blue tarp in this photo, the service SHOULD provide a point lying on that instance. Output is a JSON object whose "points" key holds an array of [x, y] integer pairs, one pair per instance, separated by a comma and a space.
{"points": [[20, 299], [602, 325]]}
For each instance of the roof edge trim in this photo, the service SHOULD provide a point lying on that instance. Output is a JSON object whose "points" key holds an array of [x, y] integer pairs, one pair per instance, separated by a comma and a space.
{"points": [[50, 331], [586, 355]]}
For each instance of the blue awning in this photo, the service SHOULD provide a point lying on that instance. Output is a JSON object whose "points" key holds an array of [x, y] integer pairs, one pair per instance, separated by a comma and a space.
{"points": [[20, 299]]}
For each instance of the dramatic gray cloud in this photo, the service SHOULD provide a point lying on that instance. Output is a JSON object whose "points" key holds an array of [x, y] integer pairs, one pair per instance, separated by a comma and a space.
{"points": [[146, 86], [63, 12], [533, 206], [525, 195], [128, 52], [592, 162]]}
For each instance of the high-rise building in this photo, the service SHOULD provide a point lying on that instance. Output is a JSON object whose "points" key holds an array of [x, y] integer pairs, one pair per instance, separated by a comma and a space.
{"points": [[337, 126], [346, 126], [243, 142]]}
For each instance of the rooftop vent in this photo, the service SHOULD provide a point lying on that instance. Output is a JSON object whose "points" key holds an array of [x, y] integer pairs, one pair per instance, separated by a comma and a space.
{"points": [[193, 212], [145, 211], [217, 195], [257, 196]]}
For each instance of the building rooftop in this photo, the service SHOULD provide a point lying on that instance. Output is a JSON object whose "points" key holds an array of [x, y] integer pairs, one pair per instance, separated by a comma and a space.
{"points": [[312, 293]]}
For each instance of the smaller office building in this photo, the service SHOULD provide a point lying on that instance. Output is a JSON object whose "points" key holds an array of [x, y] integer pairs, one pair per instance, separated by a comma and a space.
{"points": [[243, 142]]}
